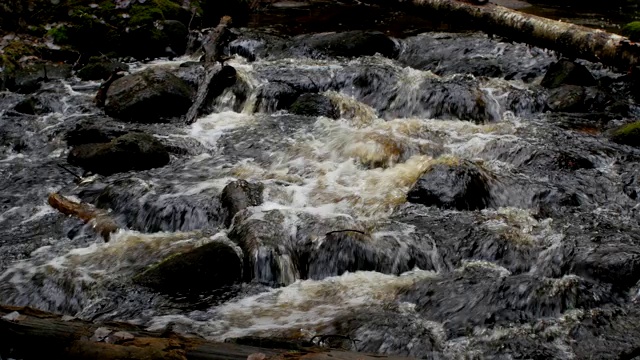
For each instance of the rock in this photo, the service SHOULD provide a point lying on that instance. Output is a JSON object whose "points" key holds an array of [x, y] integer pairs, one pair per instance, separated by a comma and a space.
{"points": [[28, 79], [607, 333], [342, 251], [148, 96], [461, 186], [567, 98], [173, 36], [314, 105], [205, 268], [628, 134], [565, 72], [239, 195], [275, 96], [614, 263], [91, 133], [146, 209], [477, 297], [34, 105], [133, 151], [348, 44], [100, 68]]}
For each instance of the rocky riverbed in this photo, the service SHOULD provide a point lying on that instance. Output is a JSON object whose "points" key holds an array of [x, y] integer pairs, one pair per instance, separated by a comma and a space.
{"points": [[441, 195]]}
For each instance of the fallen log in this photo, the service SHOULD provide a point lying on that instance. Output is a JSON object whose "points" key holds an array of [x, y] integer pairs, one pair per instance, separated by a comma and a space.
{"points": [[102, 222], [28, 333], [213, 50], [571, 40]]}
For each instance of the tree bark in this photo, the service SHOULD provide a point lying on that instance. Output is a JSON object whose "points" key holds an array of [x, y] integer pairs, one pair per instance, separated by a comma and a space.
{"points": [[213, 46], [32, 334], [571, 40], [102, 223]]}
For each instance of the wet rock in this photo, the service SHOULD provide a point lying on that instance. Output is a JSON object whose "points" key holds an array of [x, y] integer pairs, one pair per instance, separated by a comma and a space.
{"points": [[96, 131], [473, 53], [284, 246], [239, 195], [29, 78], [205, 268], [133, 151], [628, 134], [567, 98], [446, 240], [342, 251], [566, 72], [387, 332], [275, 96], [314, 105], [608, 333], [145, 208], [480, 297], [348, 44], [614, 263], [37, 105], [461, 186], [148, 96], [100, 68]]}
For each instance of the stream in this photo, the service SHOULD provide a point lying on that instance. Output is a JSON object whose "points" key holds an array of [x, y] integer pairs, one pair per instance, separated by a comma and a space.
{"points": [[547, 269]]}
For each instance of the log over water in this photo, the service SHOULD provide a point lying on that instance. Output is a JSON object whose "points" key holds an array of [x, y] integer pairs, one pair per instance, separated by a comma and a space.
{"points": [[33, 334], [571, 40]]}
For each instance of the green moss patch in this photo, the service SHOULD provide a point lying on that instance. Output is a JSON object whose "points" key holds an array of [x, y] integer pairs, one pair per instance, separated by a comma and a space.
{"points": [[632, 31], [628, 134]]}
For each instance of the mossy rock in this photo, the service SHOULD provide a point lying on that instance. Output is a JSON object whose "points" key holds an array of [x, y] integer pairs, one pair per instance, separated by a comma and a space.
{"points": [[628, 134], [100, 68], [632, 31]]}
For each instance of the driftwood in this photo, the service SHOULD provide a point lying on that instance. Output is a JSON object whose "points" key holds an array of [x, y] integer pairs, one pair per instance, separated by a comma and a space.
{"points": [[571, 40], [27, 333], [213, 50], [102, 222]]}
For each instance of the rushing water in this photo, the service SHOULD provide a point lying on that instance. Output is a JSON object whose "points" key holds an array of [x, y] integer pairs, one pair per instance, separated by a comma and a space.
{"points": [[515, 279]]}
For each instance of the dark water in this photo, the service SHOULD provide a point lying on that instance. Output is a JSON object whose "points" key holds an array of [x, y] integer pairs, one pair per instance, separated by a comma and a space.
{"points": [[548, 270]]}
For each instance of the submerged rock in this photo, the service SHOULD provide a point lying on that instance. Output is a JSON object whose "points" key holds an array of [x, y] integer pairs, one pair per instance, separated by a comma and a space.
{"points": [[145, 208], [239, 195], [205, 268], [314, 105], [566, 72], [461, 186], [348, 44], [133, 151], [148, 96], [476, 297]]}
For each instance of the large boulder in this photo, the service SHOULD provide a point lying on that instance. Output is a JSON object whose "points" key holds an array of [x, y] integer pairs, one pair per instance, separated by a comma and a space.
{"points": [[205, 268], [455, 185], [148, 96], [566, 72], [133, 151], [96, 131]]}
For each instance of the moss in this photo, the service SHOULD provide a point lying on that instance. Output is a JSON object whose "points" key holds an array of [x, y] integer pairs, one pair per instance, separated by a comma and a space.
{"points": [[59, 34], [13, 52], [632, 31], [628, 134], [144, 15]]}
